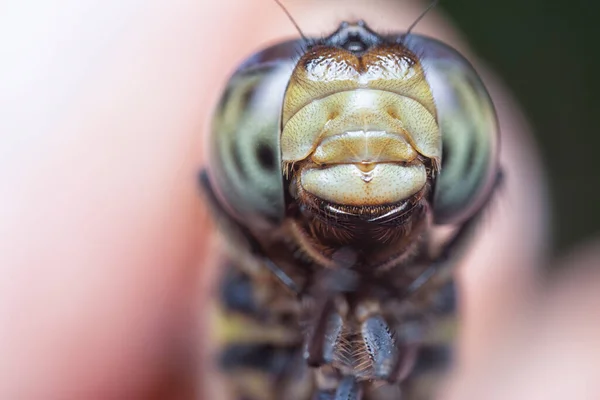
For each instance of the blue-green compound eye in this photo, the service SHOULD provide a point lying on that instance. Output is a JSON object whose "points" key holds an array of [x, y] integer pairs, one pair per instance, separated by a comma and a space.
{"points": [[245, 155], [469, 129]]}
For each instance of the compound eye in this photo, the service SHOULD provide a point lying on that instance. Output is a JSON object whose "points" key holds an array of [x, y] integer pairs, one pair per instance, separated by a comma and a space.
{"points": [[245, 154], [469, 127]]}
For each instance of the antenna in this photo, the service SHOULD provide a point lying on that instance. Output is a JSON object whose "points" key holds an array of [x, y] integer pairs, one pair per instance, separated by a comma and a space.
{"points": [[280, 4], [420, 17]]}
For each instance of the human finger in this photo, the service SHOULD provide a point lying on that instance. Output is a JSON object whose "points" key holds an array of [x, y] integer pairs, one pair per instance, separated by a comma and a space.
{"points": [[549, 348]]}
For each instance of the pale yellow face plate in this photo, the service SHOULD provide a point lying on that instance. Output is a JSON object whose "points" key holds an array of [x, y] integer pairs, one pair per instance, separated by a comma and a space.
{"points": [[360, 127]]}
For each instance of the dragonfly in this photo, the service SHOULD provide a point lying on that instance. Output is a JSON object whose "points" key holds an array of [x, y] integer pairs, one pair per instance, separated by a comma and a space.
{"points": [[347, 174]]}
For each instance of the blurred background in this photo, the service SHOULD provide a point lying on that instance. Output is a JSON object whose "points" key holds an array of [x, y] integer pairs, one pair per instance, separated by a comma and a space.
{"points": [[546, 52]]}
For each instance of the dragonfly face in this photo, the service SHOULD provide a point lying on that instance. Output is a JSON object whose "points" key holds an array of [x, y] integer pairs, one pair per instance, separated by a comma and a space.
{"points": [[332, 164]]}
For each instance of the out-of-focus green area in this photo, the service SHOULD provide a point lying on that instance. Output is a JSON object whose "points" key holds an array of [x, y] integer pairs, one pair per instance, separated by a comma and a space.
{"points": [[548, 53]]}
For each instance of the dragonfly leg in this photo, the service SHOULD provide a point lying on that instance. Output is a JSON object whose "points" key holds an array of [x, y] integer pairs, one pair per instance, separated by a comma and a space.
{"points": [[381, 347], [324, 337]]}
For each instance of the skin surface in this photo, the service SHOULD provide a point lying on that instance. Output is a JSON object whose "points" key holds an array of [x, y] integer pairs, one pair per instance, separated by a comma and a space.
{"points": [[105, 247]]}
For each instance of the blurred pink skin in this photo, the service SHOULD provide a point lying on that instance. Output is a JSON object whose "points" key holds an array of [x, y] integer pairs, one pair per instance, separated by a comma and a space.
{"points": [[550, 348], [104, 106]]}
